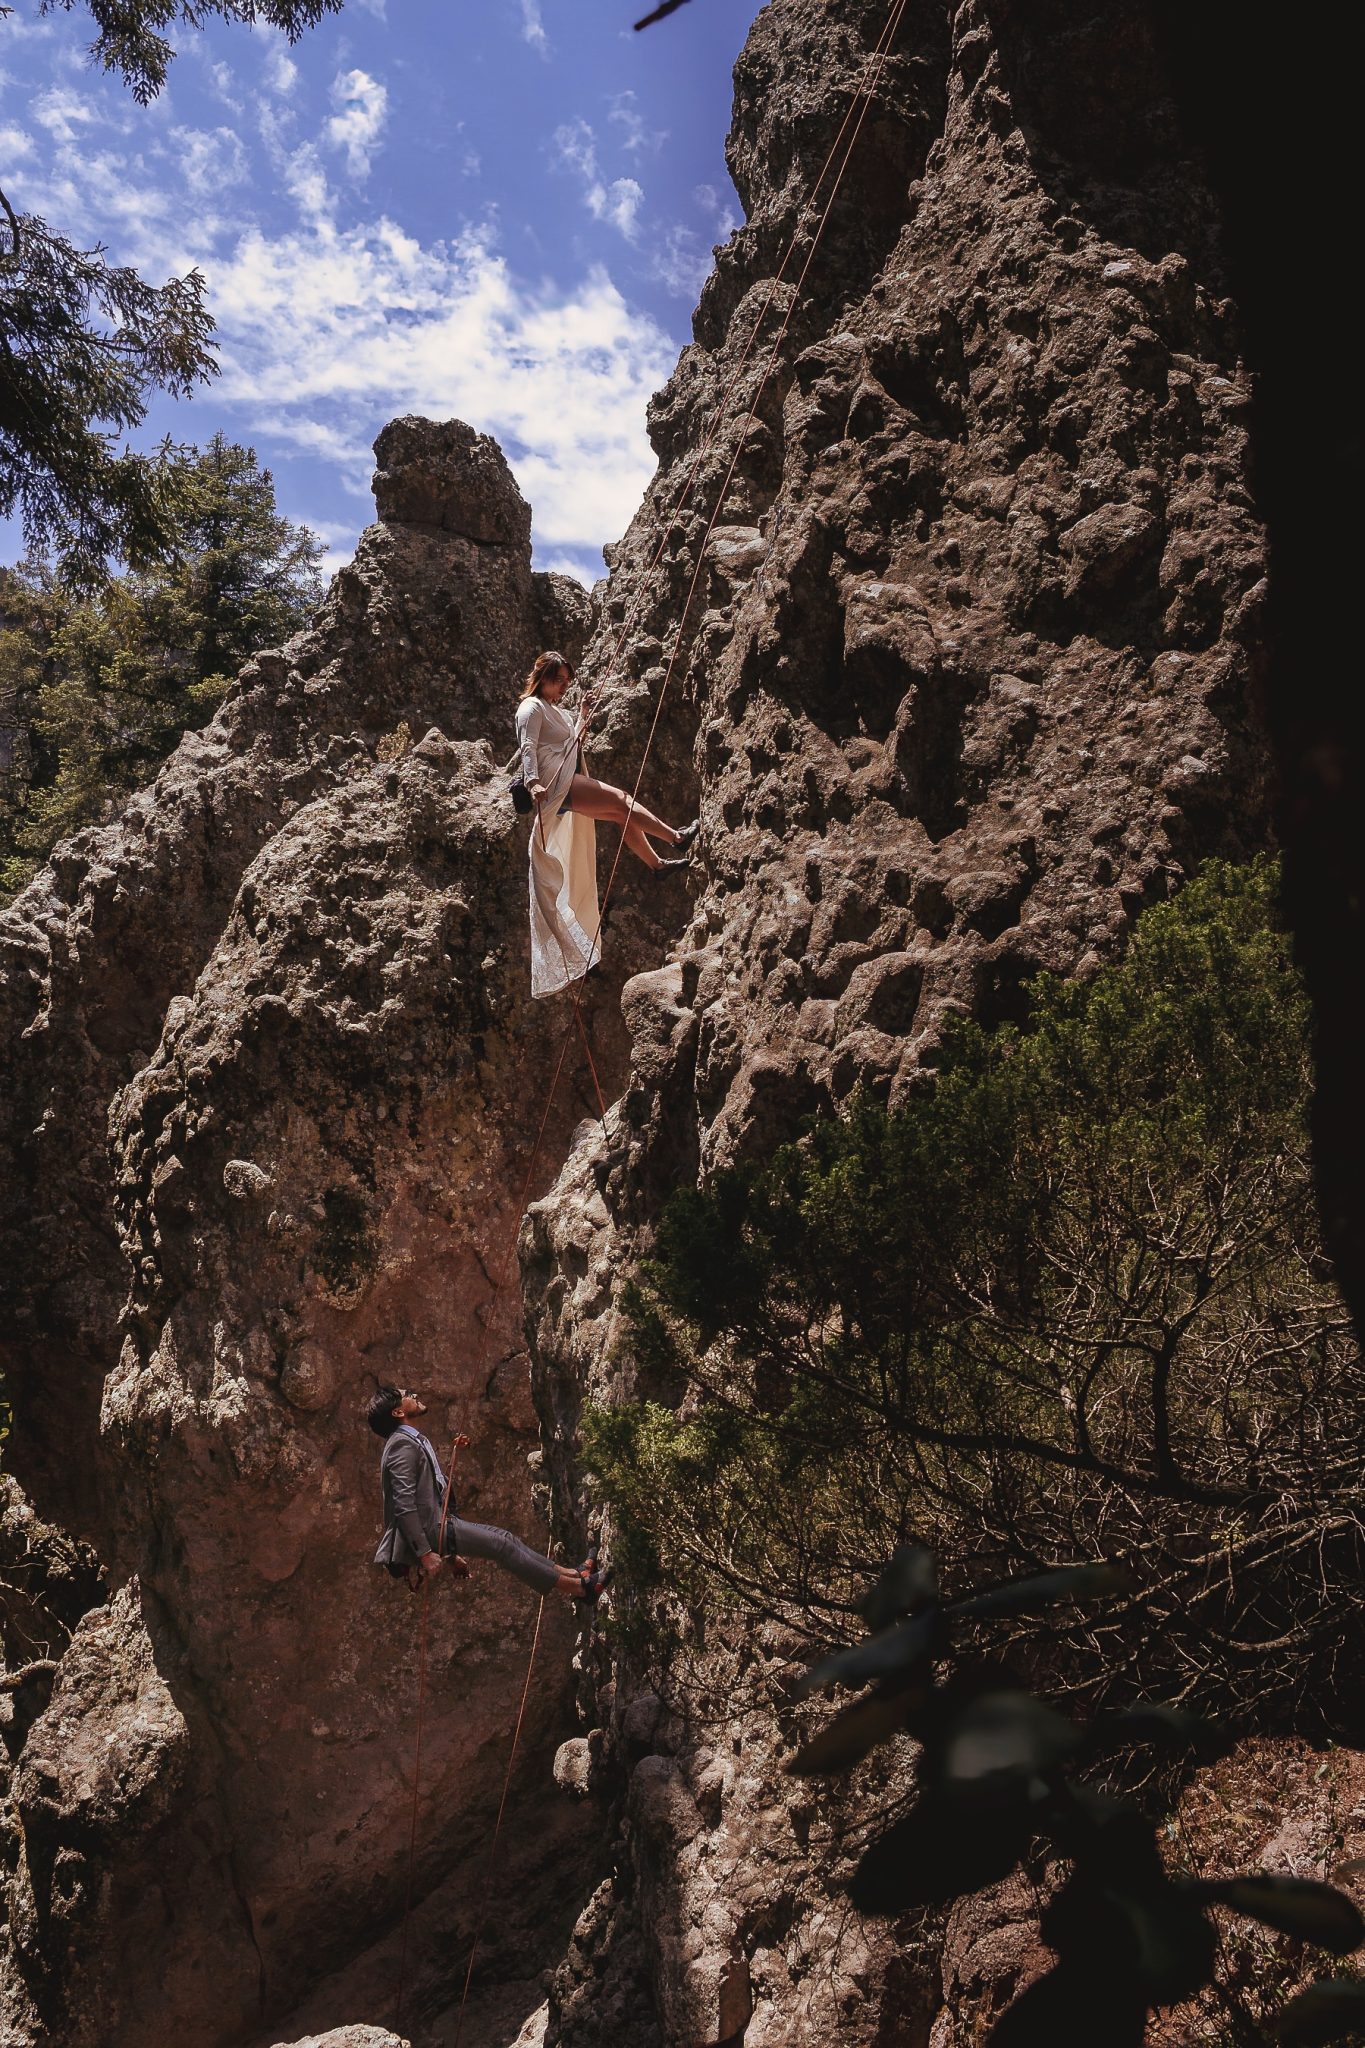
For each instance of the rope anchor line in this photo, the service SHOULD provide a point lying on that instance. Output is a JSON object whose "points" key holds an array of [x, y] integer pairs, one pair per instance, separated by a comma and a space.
{"points": [[861, 101]]}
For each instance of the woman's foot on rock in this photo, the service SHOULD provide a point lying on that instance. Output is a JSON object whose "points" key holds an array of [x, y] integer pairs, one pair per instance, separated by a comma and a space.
{"points": [[687, 835]]}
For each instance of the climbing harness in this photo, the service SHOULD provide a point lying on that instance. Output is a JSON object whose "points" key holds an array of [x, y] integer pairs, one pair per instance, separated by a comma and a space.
{"points": [[861, 102]]}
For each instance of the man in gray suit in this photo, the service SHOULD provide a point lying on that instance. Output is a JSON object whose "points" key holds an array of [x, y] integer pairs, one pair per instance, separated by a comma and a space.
{"points": [[414, 1488]]}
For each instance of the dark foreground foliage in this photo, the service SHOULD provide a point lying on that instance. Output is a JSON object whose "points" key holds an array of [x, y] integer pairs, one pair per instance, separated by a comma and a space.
{"points": [[1068, 1301], [999, 1772]]}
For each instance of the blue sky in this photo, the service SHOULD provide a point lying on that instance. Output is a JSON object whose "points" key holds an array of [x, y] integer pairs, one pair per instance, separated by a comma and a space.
{"points": [[500, 209]]}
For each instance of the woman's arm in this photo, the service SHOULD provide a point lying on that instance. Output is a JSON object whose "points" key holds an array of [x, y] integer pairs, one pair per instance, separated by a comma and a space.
{"points": [[528, 731]]}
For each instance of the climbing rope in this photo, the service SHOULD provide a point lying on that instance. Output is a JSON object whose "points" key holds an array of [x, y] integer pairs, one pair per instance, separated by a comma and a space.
{"points": [[860, 102], [486, 1890]]}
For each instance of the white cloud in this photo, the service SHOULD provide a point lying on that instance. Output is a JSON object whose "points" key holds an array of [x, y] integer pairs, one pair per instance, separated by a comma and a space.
{"points": [[619, 202], [572, 565], [306, 182], [328, 326], [634, 137], [209, 158], [14, 144], [222, 84], [533, 27], [576, 148], [63, 113], [720, 213], [362, 105], [17, 30], [680, 263], [327, 333], [281, 72], [378, 8]]}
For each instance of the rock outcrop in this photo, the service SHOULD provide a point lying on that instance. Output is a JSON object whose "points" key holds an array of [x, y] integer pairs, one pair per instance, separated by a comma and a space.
{"points": [[273, 1097], [970, 676]]}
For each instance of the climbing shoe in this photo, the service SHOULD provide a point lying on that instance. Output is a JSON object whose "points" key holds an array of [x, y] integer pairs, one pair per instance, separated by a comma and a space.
{"points": [[664, 866], [687, 835], [594, 1578]]}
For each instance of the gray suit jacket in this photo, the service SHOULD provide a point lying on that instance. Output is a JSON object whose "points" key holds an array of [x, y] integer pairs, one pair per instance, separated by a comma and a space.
{"points": [[412, 1505]]}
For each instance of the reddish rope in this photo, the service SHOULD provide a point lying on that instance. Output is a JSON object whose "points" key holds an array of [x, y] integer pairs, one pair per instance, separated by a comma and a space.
{"points": [[884, 43], [497, 1826], [718, 417], [862, 101], [425, 1597]]}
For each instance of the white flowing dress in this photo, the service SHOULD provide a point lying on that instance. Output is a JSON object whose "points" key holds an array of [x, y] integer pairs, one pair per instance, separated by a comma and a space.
{"points": [[565, 920]]}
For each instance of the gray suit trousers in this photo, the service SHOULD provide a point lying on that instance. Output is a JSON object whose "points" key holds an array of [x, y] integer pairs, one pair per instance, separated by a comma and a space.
{"points": [[502, 1548]]}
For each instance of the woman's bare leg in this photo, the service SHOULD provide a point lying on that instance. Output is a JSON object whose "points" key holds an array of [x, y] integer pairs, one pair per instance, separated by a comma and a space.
{"points": [[594, 799], [639, 845]]}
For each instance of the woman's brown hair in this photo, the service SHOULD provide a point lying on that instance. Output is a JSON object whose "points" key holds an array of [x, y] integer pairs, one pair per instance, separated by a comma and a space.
{"points": [[547, 667]]}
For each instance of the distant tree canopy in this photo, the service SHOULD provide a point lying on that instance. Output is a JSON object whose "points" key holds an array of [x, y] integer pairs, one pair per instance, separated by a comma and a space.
{"points": [[85, 343], [1068, 1302], [95, 690]]}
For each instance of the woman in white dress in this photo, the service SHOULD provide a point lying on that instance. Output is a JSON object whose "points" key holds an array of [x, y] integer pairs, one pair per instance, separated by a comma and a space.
{"points": [[565, 920]]}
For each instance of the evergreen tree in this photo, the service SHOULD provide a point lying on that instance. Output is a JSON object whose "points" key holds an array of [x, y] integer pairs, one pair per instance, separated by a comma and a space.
{"points": [[95, 690], [84, 343]]}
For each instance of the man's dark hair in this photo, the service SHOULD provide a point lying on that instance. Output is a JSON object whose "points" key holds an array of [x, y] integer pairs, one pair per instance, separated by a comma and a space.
{"points": [[380, 1415]]}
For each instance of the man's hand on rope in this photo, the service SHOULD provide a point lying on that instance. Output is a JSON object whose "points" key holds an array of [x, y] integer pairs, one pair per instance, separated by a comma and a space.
{"points": [[458, 1567]]}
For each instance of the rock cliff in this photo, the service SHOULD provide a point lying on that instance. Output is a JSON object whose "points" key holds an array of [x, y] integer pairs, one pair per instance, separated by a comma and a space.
{"points": [[970, 677], [272, 1098]]}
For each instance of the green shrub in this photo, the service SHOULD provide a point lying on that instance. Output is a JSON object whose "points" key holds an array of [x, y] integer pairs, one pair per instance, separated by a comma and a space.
{"points": [[1069, 1300]]}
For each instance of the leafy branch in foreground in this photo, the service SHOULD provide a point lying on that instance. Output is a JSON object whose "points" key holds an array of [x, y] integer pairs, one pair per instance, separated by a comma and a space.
{"points": [[1069, 1299], [131, 41], [997, 1773], [83, 344]]}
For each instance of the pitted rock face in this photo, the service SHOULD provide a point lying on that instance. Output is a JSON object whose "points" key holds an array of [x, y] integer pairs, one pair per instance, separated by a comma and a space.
{"points": [[350, 2037], [971, 677], [425, 625], [296, 973]]}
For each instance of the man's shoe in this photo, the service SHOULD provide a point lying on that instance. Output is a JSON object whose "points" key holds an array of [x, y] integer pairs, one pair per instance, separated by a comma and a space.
{"points": [[687, 835], [594, 1578], [666, 866]]}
